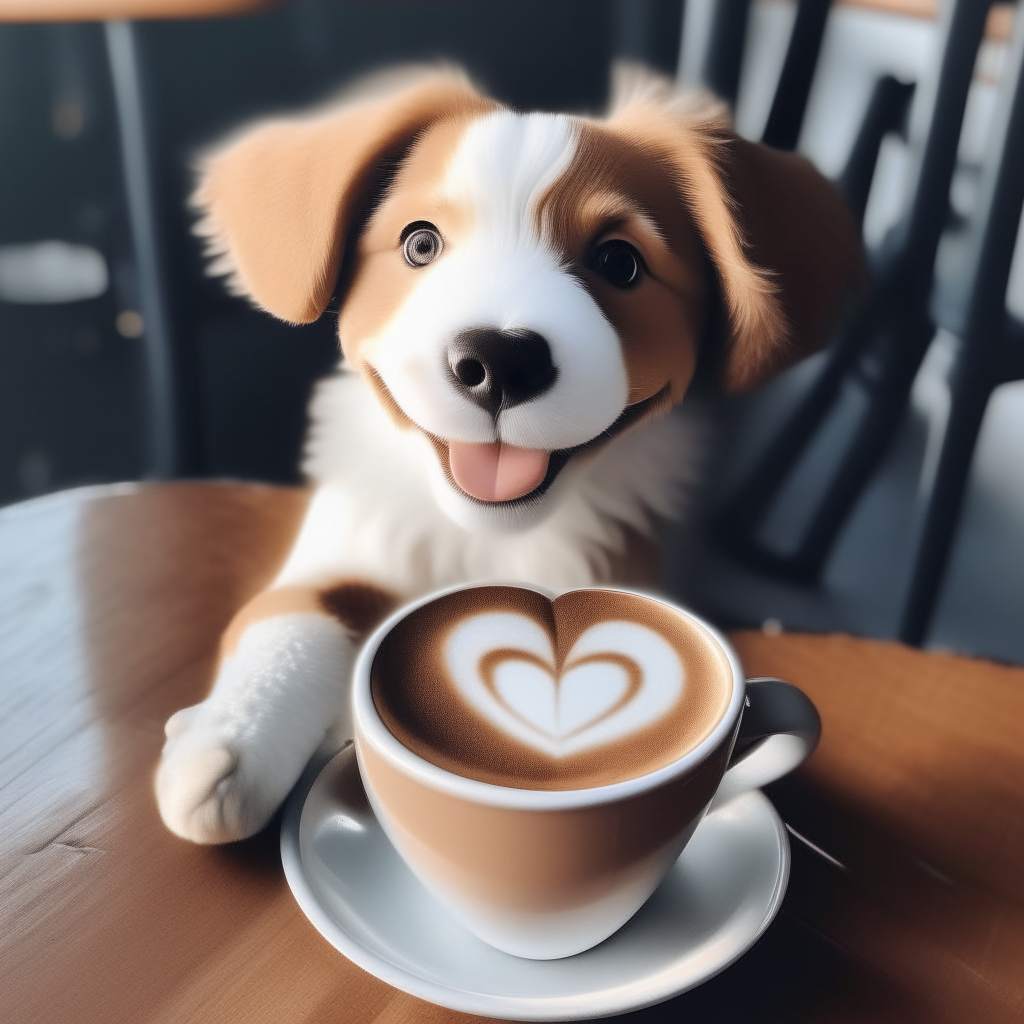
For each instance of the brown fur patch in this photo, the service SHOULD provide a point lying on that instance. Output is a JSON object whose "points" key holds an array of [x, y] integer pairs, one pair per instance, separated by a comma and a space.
{"points": [[357, 606], [612, 189], [266, 605], [278, 201]]}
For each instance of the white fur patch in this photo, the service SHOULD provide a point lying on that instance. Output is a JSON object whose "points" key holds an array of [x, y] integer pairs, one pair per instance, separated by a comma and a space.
{"points": [[505, 276], [505, 164]]}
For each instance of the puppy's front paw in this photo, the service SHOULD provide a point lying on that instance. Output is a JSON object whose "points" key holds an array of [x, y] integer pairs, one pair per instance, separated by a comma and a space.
{"points": [[230, 761], [203, 789]]}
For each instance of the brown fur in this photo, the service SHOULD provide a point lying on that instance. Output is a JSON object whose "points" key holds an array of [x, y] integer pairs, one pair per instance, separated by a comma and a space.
{"points": [[612, 191], [357, 606]]}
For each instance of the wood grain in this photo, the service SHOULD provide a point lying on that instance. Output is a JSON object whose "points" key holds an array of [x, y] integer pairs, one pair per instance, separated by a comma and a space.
{"points": [[998, 27], [102, 10], [111, 604], [918, 789]]}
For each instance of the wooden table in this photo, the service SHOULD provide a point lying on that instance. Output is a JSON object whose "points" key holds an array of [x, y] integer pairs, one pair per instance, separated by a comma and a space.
{"points": [[100, 10], [998, 27], [111, 601]]}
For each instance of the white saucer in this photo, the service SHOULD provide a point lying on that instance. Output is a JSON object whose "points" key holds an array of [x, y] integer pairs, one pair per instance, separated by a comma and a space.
{"points": [[717, 900]]}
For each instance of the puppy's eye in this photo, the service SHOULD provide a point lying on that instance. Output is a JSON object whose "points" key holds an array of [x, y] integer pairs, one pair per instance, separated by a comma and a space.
{"points": [[618, 263], [421, 244]]}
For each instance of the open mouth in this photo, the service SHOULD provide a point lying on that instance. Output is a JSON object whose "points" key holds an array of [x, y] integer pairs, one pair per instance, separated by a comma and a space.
{"points": [[500, 474]]}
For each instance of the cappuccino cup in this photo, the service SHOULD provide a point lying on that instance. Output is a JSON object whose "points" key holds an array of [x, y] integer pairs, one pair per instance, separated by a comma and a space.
{"points": [[540, 762]]}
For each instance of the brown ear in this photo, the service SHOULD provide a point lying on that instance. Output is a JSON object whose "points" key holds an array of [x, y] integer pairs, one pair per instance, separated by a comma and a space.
{"points": [[797, 226], [785, 247], [278, 200]]}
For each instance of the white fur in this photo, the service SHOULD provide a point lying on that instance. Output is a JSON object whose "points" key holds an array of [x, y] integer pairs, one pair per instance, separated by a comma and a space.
{"points": [[506, 276]]}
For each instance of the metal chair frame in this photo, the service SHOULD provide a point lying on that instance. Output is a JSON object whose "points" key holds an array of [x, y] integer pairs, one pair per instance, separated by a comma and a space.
{"points": [[883, 344], [991, 340], [723, 62], [164, 420]]}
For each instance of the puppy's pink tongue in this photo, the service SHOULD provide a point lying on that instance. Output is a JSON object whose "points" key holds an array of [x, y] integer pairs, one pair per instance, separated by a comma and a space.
{"points": [[496, 472]]}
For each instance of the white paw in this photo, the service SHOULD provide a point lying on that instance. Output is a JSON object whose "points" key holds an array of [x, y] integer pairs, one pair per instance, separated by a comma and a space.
{"points": [[203, 788], [230, 761]]}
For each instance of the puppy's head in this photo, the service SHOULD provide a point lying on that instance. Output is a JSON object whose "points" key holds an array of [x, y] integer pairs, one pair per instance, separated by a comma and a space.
{"points": [[521, 288]]}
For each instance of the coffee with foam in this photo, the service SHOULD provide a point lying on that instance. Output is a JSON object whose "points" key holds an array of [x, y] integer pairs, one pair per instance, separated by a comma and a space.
{"points": [[503, 685]]}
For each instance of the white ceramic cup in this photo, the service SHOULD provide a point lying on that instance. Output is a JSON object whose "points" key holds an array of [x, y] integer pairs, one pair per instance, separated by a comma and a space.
{"points": [[549, 873]]}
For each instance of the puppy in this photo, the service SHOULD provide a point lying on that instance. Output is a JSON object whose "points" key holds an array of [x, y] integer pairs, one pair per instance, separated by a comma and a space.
{"points": [[525, 298]]}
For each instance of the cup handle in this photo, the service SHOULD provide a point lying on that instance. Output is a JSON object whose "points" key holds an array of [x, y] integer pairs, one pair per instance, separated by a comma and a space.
{"points": [[779, 730]]}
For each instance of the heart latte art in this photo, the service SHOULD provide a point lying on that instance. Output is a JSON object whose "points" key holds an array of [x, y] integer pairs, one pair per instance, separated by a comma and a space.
{"points": [[505, 685], [618, 678]]}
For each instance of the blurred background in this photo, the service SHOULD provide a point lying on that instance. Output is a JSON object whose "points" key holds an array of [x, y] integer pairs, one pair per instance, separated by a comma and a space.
{"points": [[877, 488]]}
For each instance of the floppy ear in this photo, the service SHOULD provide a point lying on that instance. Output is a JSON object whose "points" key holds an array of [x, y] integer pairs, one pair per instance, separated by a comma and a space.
{"points": [[278, 200], [786, 249]]}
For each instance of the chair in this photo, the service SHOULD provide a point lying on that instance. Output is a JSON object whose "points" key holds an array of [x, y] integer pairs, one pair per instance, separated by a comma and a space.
{"points": [[886, 111], [70, 380], [94, 378], [648, 31], [882, 347], [723, 62], [991, 338]]}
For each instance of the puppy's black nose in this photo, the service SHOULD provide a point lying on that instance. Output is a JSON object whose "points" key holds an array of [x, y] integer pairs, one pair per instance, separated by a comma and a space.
{"points": [[500, 369]]}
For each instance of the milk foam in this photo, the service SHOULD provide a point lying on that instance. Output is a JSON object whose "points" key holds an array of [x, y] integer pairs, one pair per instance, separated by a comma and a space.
{"points": [[505, 685], [619, 678]]}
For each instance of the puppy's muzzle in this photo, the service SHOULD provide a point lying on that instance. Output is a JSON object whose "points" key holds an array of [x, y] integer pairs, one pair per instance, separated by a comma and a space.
{"points": [[500, 369]]}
